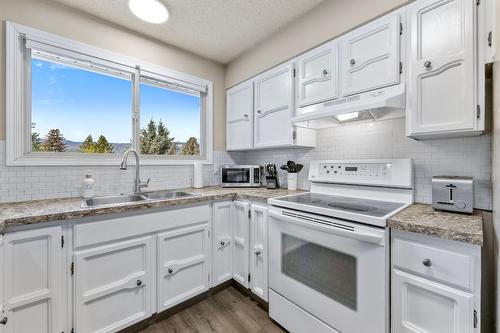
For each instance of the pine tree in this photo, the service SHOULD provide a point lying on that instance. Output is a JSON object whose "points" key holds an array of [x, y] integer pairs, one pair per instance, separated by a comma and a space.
{"points": [[192, 147], [54, 141], [103, 146], [36, 142], [88, 146], [155, 139]]}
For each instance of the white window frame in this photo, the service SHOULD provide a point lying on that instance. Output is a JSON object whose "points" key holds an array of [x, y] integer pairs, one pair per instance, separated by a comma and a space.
{"points": [[18, 101]]}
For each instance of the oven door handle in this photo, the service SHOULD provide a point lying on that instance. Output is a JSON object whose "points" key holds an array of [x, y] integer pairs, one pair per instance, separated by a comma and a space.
{"points": [[357, 235]]}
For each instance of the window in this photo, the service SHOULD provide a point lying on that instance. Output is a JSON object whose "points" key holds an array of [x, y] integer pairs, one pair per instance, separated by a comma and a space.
{"points": [[82, 105]]}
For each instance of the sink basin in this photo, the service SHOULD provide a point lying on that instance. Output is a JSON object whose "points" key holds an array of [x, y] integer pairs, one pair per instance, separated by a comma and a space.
{"points": [[165, 195], [112, 200]]}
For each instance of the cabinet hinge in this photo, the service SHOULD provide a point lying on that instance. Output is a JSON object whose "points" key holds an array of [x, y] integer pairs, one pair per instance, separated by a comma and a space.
{"points": [[72, 269], [72, 330], [249, 277], [208, 277], [294, 134], [62, 241], [208, 233], [294, 72], [475, 319], [478, 112], [478, 2], [249, 213], [490, 38], [400, 67], [400, 28]]}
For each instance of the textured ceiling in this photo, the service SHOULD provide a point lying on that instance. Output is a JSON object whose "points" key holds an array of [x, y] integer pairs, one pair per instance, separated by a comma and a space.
{"points": [[217, 29]]}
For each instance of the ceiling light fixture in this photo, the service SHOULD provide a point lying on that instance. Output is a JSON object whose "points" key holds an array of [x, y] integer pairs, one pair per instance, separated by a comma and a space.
{"points": [[152, 11]]}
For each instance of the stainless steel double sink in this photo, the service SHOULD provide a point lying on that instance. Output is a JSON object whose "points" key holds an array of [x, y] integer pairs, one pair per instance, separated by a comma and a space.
{"points": [[138, 197]]}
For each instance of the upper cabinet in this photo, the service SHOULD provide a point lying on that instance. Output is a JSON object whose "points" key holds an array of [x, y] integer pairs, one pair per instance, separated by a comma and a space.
{"points": [[317, 75], [370, 55], [273, 107], [239, 115], [442, 86]]}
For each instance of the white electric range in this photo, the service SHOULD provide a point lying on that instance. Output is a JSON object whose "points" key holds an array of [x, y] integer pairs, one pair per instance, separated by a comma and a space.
{"points": [[329, 248]]}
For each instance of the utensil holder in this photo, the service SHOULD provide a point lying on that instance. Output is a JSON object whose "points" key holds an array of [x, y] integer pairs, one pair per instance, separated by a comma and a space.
{"points": [[292, 181]]}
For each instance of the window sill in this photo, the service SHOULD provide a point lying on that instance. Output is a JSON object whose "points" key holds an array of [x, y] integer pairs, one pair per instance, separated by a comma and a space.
{"points": [[100, 161]]}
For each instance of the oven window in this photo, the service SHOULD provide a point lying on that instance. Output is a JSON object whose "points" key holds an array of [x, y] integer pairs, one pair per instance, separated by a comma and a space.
{"points": [[236, 175], [327, 271]]}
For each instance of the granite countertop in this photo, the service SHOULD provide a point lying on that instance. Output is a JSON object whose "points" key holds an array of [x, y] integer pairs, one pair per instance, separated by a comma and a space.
{"points": [[422, 219], [32, 212]]}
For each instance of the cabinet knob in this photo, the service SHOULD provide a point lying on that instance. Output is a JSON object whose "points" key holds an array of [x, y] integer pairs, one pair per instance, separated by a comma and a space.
{"points": [[258, 252], [139, 282], [352, 62], [245, 115], [259, 112], [427, 262], [222, 243], [170, 270], [3, 321], [325, 72], [427, 64]]}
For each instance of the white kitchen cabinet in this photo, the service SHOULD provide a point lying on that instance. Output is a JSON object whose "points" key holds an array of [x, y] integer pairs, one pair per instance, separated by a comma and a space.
{"points": [[442, 79], [435, 285], [370, 55], [184, 264], [317, 75], [239, 116], [222, 247], [114, 285], [421, 305], [273, 107], [240, 223], [32, 281], [258, 263]]}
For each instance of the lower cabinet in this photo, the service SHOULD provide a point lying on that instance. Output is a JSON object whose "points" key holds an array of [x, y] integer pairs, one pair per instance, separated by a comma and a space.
{"points": [[240, 224], [240, 245], [32, 281], [114, 285], [183, 270], [435, 285]]}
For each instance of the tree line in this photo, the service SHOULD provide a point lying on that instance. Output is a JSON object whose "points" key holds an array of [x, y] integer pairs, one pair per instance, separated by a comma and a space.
{"points": [[155, 139]]}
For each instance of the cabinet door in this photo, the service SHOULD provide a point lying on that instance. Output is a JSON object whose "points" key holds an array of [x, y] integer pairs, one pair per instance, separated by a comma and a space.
{"points": [[240, 242], [259, 251], [317, 75], [114, 285], [441, 78], [420, 305], [273, 107], [222, 242], [32, 281], [370, 56], [183, 272], [239, 116]]}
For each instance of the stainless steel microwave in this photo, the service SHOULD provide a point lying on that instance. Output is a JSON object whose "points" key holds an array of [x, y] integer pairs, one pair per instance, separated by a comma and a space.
{"points": [[241, 176]]}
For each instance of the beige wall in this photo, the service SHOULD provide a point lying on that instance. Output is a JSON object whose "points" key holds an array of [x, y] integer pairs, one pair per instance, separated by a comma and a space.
{"points": [[69, 23], [326, 21]]}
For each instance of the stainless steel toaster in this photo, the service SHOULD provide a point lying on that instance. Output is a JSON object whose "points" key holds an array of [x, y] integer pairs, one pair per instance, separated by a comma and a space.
{"points": [[453, 193]]}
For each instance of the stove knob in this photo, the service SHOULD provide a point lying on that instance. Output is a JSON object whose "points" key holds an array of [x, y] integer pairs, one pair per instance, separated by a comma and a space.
{"points": [[460, 204]]}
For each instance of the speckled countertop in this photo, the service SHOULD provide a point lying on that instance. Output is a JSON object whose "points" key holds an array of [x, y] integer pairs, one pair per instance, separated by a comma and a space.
{"points": [[423, 219], [31, 212]]}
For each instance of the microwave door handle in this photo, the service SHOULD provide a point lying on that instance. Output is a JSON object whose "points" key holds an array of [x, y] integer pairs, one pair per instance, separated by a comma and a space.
{"points": [[357, 235]]}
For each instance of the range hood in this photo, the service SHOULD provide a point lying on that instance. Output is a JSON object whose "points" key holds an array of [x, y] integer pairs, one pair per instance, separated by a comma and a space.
{"points": [[385, 103]]}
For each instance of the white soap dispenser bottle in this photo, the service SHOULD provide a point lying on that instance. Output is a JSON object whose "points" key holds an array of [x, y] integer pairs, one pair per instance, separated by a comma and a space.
{"points": [[88, 185]]}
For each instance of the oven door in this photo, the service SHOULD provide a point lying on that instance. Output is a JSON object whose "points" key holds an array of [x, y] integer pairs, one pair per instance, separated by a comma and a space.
{"points": [[335, 270]]}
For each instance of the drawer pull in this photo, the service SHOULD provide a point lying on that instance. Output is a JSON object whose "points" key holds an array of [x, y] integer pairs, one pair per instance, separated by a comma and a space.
{"points": [[427, 262], [170, 270]]}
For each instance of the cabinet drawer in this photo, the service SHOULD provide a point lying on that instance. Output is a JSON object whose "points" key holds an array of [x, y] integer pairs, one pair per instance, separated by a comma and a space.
{"points": [[435, 263]]}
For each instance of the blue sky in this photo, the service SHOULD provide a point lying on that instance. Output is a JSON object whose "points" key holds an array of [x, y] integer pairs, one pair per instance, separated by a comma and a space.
{"points": [[80, 103]]}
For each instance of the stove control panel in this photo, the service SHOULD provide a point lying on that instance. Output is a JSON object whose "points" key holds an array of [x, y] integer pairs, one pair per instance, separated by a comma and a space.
{"points": [[391, 173]]}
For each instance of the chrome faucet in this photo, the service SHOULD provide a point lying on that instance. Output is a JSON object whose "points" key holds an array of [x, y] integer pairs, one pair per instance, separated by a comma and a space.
{"points": [[123, 166]]}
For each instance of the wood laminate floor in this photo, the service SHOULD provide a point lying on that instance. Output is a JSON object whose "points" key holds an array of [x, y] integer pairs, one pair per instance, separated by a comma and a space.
{"points": [[225, 312]]}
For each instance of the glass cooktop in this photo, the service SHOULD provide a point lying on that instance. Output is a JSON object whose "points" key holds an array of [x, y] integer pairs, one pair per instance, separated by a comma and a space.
{"points": [[374, 208]]}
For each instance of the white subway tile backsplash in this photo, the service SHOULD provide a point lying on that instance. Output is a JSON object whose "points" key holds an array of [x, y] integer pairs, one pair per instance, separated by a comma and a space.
{"points": [[469, 156]]}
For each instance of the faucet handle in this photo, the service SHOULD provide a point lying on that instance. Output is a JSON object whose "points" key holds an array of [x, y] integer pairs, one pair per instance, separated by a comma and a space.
{"points": [[144, 184]]}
